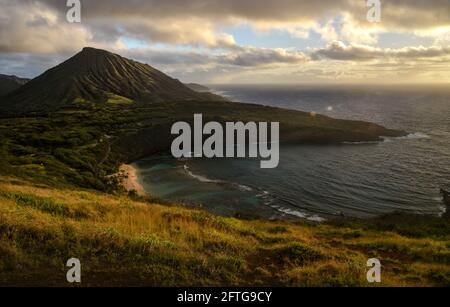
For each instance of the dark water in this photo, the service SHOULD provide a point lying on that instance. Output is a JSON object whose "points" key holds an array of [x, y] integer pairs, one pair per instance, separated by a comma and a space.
{"points": [[319, 182]]}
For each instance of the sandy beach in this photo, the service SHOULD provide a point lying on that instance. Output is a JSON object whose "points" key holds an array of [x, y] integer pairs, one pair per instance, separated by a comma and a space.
{"points": [[131, 181]]}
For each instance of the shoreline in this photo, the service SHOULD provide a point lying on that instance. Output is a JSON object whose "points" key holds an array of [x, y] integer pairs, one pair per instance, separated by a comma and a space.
{"points": [[133, 183], [130, 181]]}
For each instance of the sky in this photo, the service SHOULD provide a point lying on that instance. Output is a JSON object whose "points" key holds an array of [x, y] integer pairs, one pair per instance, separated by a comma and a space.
{"points": [[239, 41]]}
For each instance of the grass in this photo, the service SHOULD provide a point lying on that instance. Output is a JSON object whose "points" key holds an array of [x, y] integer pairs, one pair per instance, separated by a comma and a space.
{"points": [[127, 242], [58, 201], [118, 100]]}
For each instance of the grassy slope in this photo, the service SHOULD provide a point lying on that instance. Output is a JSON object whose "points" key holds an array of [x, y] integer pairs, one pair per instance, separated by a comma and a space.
{"points": [[122, 241]]}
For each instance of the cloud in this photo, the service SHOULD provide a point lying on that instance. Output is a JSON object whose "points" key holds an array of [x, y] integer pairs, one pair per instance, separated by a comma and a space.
{"points": [[263, 56], [191, 38], [37, 28], [201, 22], [399, 13], [340, 51], [190, 31], [243, 57]]}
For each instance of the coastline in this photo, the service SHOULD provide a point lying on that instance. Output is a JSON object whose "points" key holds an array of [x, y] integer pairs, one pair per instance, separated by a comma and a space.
{"points": [[130, 180]]}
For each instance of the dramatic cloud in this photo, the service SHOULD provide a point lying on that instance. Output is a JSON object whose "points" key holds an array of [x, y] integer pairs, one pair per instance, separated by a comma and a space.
{"points": [[339, 51], [260, 57], [37, 28], [244, 57], [201, 22], [203, 39], [399, 13]]}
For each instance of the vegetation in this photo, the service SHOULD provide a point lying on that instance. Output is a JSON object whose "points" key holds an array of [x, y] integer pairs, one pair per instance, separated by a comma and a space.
{"points": [[57, 151], [130, 242], [76, 123], [84, 145], [95, 75], [58, 198]]}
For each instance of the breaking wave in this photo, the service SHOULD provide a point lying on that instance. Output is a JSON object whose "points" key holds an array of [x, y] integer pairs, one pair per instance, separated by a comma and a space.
{"points": [[411, 136], [263, 195], [388, 139], [205, 179]]}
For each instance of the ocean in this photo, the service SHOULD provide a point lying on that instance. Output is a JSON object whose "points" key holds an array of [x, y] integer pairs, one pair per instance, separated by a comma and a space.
{"points": [[320, 182]]}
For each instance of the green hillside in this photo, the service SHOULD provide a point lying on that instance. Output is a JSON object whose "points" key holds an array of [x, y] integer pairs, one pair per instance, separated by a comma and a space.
{"points": [[85, 145], [137, 242], [64, 136]]}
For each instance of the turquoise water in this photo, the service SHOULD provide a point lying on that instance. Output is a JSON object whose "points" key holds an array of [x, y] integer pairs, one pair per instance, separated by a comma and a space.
{"points": [[321, 182]]}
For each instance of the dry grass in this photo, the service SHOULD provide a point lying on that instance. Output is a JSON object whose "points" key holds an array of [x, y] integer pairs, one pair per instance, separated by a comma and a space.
{"points": [[121, 241]]}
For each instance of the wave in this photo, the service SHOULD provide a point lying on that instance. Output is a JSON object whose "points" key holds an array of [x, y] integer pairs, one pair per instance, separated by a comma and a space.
{"points": [[313, 218], [243, 187], [388, 139], [361, 143], [418, 135], [411, 136], [264, 195], [200, 177], [205, 179], [269, 200]]}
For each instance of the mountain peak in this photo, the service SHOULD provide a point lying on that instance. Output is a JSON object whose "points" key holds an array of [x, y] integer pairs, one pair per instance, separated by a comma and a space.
{"points": [[98, 76], [94, 51]]}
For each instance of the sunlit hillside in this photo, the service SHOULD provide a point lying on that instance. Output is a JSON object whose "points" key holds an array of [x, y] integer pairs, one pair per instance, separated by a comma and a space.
{"points": [[128, 241]]}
